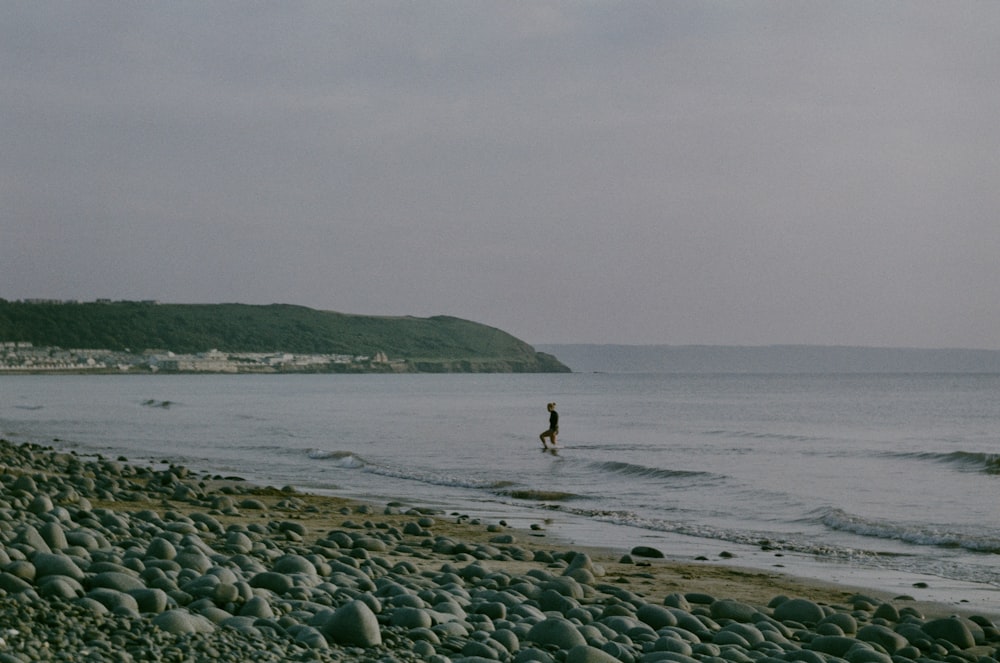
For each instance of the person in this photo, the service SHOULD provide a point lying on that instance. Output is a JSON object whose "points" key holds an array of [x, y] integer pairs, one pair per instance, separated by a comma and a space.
{"points": [[553, 430]]}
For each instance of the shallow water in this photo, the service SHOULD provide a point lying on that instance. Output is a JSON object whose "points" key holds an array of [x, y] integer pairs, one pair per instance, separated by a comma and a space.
{"points": [[879, 474]]}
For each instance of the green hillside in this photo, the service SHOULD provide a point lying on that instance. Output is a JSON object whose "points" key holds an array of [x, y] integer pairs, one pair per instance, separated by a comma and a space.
{"points": [[440, 343]]}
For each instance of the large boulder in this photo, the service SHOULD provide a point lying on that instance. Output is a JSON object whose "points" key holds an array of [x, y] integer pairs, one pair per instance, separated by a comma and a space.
{"points": [[557, 632], [353, 624]]}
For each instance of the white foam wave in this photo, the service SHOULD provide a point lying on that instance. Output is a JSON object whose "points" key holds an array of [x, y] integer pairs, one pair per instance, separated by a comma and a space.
{"points": [[345, 459], [917, 534]]}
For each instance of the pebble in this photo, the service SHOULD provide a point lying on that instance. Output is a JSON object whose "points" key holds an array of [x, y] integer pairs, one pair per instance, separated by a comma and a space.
{"points": [[178, 584]]}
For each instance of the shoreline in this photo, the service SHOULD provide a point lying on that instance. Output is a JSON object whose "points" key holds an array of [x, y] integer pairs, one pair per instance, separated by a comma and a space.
{"points": [[189, 561]]}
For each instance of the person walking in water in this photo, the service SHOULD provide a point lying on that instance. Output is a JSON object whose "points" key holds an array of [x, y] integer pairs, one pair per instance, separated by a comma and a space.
{"points": [[553, 426]]}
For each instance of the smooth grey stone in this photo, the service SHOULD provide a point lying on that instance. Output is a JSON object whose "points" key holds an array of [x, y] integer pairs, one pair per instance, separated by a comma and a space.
{"points": [[371, 544], [677, 645], [353, 624], [508, 639], [294, 564], [474, 650], [113, 599], [225, 592], [846, 622], [533, 655], [26, 483], [647, 551], [553, 601], [656, 616], [407, 617], [160, 548], [735, 655], [451, 629], [22, 569], [41, 504], [239, 542], [734, 610], [492, 609], [182, 622], [888, 612], [52, 564], [214, 614], [30, 537], [241, 624], [279, 583], [95, 608], [673, 657], [62, 587], [311, 637], [194, 560], [54, 535], [803, 611], [883, 636], [861, 654], [121, 582], [84, 539], [557, 632], [257, 607], [748, 632], [676, 600], [950, 629], [151, 600], [835, 645], [724, 638], [12, 584]]}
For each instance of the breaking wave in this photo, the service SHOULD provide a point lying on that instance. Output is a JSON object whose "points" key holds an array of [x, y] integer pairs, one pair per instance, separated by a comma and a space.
{"points": [[345, 459], [916, 534], [966, 461]]}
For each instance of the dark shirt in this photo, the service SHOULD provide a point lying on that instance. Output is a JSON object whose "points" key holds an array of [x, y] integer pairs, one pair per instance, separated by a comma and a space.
{"points": [[553, 420]]}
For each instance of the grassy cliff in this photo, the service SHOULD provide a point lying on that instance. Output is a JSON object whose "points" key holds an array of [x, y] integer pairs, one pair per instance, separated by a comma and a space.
{"points": [[437, 344]]}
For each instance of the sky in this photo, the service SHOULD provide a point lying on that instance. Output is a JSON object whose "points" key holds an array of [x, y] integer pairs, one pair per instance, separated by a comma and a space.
{"points": [[683, 172]]}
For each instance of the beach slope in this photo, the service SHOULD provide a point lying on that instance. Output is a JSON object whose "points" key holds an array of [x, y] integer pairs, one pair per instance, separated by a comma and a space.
{"points": [[106, 560]]}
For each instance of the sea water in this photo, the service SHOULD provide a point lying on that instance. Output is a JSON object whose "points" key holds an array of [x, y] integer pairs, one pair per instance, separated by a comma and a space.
{"points": [[889, 480]]}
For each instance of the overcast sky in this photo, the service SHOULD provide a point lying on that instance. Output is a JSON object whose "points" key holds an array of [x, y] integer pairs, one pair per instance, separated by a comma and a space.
{"points": [[626, 172]]}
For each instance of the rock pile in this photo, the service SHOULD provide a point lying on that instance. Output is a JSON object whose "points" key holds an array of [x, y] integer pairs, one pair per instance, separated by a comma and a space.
{"points": [[178, 572]]}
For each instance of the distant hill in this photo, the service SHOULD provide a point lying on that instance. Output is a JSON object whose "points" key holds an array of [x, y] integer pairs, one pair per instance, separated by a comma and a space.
{"points": [[770, 359], [436, 344]]}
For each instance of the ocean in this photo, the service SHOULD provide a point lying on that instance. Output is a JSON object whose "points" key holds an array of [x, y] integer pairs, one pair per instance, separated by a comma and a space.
{"points": [[887, 481]]}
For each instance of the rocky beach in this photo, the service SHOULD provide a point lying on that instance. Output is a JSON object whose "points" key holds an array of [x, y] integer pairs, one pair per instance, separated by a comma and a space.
{"points": [[104, 560]]}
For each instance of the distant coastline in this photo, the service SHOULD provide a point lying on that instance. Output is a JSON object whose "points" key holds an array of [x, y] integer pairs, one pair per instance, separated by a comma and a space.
{"points": [[46, 336], [785, 359]]}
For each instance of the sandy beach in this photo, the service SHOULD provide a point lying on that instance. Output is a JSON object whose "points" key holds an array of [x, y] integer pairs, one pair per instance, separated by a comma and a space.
{"points": [[104, 560]]}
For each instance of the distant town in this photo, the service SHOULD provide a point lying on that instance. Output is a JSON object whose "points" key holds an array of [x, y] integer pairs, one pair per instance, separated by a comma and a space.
{"points": [[24, 357]]}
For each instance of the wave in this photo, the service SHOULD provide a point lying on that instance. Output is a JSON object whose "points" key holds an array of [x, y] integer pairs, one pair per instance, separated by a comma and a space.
{"points": [[645, 472], [969, 461], [435, 479], [941, 536], [344, 459], [758, 435]]}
